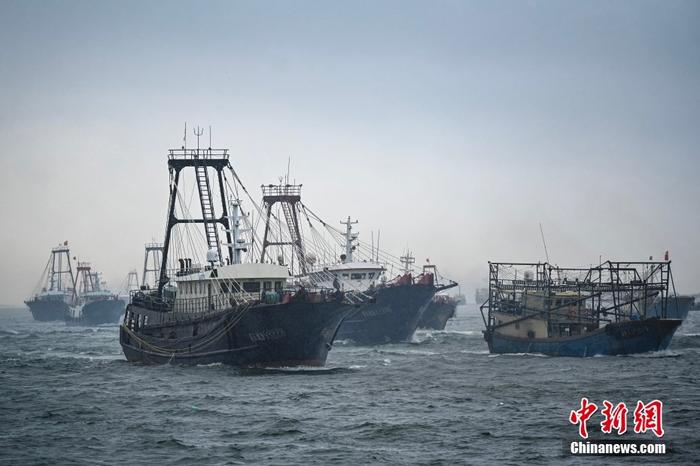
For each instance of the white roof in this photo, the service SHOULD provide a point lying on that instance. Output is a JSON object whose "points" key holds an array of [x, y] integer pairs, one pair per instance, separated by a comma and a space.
{"points": [[351, 267], [254, 271]]}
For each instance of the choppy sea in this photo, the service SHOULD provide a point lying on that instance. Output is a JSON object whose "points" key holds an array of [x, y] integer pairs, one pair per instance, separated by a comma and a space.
{"points": [[68, 396]]}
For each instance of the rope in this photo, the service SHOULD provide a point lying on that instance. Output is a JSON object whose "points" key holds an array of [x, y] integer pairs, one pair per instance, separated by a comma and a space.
{"points": [[200, 343]]}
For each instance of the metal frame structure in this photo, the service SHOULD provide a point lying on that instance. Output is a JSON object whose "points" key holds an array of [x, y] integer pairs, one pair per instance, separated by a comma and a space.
{"points": [[200, 160], [53, 280], [289, 196], [154, 251], [610, 292]]}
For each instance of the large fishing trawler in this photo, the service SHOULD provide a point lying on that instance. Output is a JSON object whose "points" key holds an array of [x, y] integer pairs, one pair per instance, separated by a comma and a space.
{"points": [[396, 305], [602, 310], [56, 287], [225, 309]]}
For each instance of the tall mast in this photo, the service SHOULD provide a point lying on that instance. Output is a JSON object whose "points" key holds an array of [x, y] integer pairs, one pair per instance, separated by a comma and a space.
{"points": [[408, 260], [349, 238], [154, 252], [201, 161], [239, 245], [60, 267], [289, 196]]}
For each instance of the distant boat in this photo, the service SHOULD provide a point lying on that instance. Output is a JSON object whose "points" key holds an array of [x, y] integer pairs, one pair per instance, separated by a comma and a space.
{"points": [[395, 306], [95, 304], [481, 295], [677, 307], [57, 287], [460, 299], [441, 309], [577, 312]]}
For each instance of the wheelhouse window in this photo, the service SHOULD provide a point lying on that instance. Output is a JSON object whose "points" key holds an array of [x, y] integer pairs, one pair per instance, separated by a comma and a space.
{"points": [[278, 286], [267, 286], [251, 287], [357, 276], [370, 275]]}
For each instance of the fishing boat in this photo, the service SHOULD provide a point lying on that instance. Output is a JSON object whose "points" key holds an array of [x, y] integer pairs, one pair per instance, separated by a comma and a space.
{"points": [[441, 309], [676, 308], [460, 299], [56, 287], [395, 306], [481, 295], [602, 310], [226, 308], [95, 303]]}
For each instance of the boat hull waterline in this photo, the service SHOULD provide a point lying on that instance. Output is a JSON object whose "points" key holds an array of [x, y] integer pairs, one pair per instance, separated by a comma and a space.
{"points": [[392, 317], [436, 315], [47, 310], [277, 335], [629, 337], [104, 311]]}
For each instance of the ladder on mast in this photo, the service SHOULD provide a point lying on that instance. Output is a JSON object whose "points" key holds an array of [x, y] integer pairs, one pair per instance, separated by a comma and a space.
{"points": [[207, 209]]}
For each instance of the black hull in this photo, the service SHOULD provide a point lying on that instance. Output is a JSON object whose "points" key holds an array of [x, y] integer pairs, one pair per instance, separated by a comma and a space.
{"points": [[47, 310], [279, 335], [391, 318], [437, 314], [104, 311]]}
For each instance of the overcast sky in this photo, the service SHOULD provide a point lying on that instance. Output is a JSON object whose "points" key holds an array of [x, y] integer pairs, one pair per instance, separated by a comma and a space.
{"points": [[454, 127]]}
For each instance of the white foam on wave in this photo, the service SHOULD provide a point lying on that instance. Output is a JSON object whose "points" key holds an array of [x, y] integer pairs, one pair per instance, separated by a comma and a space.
{"points": [[537, 355], [475, 352], [211, 364]]}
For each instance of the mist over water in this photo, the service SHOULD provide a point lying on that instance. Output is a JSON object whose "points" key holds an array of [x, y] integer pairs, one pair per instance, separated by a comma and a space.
{"points": [[68, 396]]}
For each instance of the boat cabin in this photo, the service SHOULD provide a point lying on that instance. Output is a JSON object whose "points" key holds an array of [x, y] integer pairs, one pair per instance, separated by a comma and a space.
{"points": [[251, 279]]}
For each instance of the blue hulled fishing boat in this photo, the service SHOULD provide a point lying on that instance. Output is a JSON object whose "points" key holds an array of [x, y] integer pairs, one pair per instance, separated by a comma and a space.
{"points": [[615, 308]]}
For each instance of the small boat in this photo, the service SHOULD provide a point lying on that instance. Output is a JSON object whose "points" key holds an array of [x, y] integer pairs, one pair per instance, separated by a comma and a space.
{"points": [[57, 287], [540, 308]]}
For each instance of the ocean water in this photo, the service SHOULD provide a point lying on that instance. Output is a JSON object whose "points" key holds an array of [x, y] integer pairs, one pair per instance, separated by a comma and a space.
{"points": [[67, 396]]}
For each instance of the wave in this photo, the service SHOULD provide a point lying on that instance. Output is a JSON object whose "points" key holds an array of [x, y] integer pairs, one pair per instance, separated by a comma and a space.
{"points": [[537, 355], [667, 353]]}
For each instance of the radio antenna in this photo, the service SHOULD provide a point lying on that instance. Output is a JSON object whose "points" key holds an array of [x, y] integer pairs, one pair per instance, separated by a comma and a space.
{"points": [[198, 132], [546, 254]]}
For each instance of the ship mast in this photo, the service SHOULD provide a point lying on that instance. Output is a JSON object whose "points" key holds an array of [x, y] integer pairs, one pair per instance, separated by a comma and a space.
{"points": [[59, 268], [154, 252], [239, 245], [201, 161], [408, 260], [289, 196], [349, 238]]}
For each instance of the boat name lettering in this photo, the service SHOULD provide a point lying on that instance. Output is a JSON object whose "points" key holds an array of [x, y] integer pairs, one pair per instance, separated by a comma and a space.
{"points": [[267, 335]]}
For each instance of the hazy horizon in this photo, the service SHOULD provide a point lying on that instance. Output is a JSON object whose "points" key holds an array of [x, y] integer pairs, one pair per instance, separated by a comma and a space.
{"points": [[455, 128]]}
